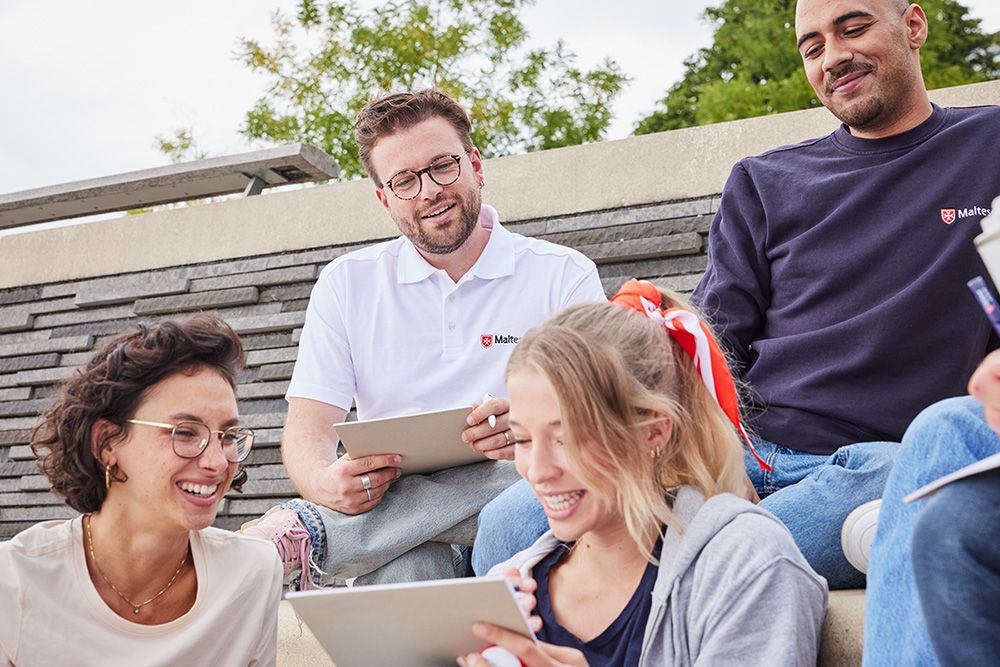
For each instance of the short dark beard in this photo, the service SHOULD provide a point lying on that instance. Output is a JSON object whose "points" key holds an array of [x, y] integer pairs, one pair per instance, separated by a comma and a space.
{"points": [[468, 219], [894, 80], [864, 116], [855, 115]]}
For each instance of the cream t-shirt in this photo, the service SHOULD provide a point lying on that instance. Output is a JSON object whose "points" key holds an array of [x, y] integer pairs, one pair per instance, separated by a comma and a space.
{"points": [[51, 614]]}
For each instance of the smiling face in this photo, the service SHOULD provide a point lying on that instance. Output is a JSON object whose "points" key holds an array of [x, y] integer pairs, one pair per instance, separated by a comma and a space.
{"points": [[175, 492], [572, 507], [862, 59], [441, 218]]}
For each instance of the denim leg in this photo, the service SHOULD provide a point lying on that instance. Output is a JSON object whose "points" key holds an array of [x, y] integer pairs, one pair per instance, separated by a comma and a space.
{"points": [[812, 495], [509, 523], [957, 566], [943, 438], [415, 510]]}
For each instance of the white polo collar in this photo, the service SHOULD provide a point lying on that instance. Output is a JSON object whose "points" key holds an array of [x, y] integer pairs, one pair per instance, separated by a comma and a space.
{"points": [[496, 260]]}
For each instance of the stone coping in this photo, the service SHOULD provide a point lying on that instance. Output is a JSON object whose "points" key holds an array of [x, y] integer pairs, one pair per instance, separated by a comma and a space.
{"points": [[295, 163]]}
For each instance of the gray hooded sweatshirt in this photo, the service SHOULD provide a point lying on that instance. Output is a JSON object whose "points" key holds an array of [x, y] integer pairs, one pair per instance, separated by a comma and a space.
{"points": [[732, 590]]}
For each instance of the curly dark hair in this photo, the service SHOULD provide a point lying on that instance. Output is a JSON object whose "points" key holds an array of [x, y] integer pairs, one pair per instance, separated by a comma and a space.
{"points": [[112, 385]]}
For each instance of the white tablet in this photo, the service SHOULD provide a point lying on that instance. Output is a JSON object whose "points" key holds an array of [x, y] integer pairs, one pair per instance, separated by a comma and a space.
{"points": [[421, 624], [428, 442]]}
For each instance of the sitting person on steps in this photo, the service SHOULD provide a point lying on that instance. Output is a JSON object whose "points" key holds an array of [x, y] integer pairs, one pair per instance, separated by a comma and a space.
{"points": [[626, 427]]}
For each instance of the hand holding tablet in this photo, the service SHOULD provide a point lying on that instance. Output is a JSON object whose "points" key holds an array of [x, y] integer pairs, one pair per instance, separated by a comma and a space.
{"points": [[415, 624], [489, 430], [428, 442]]}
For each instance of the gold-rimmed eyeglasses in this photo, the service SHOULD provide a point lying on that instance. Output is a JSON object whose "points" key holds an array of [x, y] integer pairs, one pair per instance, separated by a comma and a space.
{"points": [[189, 439], [444, 171]]}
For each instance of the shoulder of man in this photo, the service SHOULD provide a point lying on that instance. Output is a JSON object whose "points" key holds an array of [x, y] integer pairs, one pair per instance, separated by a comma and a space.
{"points": [[549, 250], [372, 254], [987, 114], [789, 151]]}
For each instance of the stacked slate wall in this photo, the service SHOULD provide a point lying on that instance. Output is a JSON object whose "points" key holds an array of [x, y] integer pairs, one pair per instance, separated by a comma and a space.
{"points": [[47, 330]]}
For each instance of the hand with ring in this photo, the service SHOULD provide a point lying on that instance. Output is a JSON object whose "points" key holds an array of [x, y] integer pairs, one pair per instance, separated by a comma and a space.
{"points": [[495, 442], [366, 484], [354, 486]]}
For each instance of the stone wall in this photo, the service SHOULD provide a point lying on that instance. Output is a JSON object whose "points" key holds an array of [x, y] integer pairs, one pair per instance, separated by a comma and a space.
{"points": [[47, 330]]}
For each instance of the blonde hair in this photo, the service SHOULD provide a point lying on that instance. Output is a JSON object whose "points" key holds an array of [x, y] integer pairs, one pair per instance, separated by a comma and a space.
{"points": [[612, 369]]}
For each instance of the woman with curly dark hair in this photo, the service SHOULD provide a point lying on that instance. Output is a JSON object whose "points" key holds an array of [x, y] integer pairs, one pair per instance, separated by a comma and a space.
{"points": [[144, 441]]}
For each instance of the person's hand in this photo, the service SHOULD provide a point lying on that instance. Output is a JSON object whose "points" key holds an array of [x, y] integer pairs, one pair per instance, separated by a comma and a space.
{"points": [[985, 387], [530, 653], [354, 486], [496, 442], [525, 587]]}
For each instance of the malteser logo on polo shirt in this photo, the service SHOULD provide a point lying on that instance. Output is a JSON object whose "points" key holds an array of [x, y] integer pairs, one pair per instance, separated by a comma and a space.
{"points": [[489, 340], [950, 215]]}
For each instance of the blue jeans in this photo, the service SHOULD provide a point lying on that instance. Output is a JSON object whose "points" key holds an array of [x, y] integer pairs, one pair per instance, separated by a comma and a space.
{"points": [[956, 559], [812, 494], [409, 535], [943, 438], [509, 523]]}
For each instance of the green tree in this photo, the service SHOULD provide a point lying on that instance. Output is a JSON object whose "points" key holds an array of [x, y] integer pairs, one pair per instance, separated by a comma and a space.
{"points": [[331, 56], [181, 147], [753, 67]]}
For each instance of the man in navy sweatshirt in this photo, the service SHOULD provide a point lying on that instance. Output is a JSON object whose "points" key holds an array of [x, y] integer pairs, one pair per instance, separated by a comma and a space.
{"points": [[836, 278], [837, 271]]}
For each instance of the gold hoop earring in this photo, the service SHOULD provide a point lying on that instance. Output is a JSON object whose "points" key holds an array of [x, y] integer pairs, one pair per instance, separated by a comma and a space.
{"points": [[482, 183], [107, 477]]}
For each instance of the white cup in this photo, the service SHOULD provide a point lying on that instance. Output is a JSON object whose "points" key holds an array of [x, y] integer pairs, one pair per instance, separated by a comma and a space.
{"points": [[988, 243]]}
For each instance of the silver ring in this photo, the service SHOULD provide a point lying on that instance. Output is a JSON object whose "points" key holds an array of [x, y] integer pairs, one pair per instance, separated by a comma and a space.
{"points": [[506, 436], [369, 492], [366, 483]]}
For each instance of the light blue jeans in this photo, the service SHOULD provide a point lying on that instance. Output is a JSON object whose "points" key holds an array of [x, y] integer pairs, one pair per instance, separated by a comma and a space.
{"points": [[943, 438], [409, 536], [812, 494], [956, 559]]}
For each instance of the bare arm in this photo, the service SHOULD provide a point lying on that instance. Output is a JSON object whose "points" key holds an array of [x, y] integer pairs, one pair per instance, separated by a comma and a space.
{"points": [[309, 441], [309, 451]]}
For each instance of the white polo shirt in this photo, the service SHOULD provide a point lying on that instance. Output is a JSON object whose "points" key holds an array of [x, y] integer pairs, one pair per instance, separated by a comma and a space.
{"points": [[398, 336]]}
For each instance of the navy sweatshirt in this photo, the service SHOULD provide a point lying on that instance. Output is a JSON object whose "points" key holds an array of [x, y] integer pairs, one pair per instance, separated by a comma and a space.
{"points": [[836, 277]]}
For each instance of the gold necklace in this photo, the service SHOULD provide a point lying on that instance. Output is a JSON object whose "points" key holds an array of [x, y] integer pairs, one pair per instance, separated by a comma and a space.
{"points": [[135, 607]]}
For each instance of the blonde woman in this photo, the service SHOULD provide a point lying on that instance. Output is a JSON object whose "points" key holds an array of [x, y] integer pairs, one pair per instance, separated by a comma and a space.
{"points": [[625, 422], [144, 441]]}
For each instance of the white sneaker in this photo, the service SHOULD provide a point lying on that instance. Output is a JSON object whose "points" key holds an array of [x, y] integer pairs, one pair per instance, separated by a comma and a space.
{"points": [[858, 533]]}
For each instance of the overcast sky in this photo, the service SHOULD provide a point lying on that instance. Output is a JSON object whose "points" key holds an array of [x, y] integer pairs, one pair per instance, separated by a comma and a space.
{"points": [[86, 86]]}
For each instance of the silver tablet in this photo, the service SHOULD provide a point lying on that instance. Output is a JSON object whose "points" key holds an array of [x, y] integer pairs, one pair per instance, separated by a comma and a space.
{"points": [[428, 442], [420, 624]]}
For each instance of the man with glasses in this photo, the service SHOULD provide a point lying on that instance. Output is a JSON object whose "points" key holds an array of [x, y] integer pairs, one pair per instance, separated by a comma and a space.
{"points": [[424, 322]]}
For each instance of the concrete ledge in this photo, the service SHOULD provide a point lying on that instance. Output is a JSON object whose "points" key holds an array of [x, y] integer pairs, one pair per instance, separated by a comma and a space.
{"points": [[296, 163], [297, 646], [668, 166], [843, 630]]}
